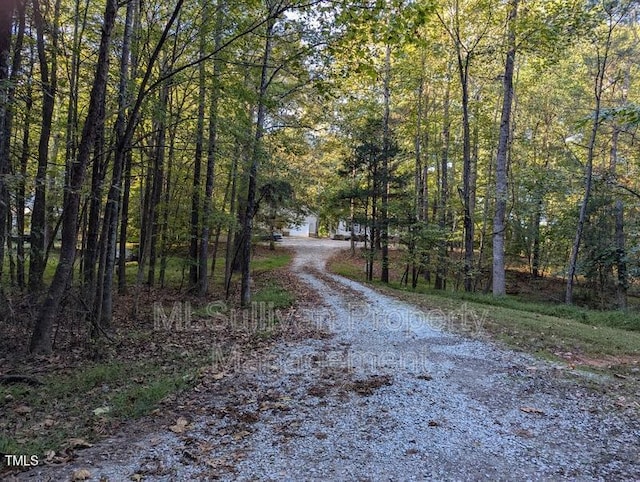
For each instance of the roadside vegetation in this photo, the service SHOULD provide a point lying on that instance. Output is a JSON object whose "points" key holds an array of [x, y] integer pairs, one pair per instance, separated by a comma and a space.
{"points": [[597, 340], [87, 391]]}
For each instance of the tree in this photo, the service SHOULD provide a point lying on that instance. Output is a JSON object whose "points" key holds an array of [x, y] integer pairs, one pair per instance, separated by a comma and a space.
{"points": [[41, 338], [49, 81], [466, 45], [613, 18], [499, 282], [6, 23]]}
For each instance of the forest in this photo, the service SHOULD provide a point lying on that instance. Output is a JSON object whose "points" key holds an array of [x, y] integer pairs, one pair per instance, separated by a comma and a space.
{"points": [[149, 143]]}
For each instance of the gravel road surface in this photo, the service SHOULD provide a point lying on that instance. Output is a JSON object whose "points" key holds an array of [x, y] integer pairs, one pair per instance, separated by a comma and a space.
{"points": [[387, 394]]}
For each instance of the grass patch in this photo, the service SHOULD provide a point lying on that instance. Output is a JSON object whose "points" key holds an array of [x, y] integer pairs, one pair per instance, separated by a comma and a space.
{"points": [[274, 292], [136, 401], [43, 418], [278, 260]]}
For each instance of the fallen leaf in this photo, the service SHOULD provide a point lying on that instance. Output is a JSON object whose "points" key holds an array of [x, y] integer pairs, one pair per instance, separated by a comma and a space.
{"points": [[433, 423], [81, 474], [101, 411], [22, 409], [180, 425], [241, 435], [78, 443], [532, 410]]}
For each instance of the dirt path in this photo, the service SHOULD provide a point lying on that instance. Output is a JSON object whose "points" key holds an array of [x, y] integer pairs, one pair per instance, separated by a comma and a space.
{"points": [[389, 395]]}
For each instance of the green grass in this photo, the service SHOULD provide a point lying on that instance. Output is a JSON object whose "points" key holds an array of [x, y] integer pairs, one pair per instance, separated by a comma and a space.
{"points": [[136, 401], [614, 319], [68, 401], [277, 260], [274, 292]]}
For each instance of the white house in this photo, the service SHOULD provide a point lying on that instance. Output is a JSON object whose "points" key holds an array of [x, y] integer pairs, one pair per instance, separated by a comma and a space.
{"points": [[307, 226], [343, 231]]}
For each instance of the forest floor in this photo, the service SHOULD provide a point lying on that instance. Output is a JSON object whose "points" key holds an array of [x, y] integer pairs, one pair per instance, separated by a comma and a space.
{"points": [[362, 385]]}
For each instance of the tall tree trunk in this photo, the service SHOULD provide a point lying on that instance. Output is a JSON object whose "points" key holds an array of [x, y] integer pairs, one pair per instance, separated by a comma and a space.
{"points": [[229, 254], [386, 151], [420, 184], [21, 188], [440, 282], [92, 233], [375, 232], [166, 204], [123, 145], [7, 89], [219, 225], [420, 179], [110, 220], [499, 226], [156, 186], [463, 71], [622, 283], [48, 79], [207, 212], [143, 90], [598, 89], [247, 226], [196, 221], [41, 341], [536, 262]]}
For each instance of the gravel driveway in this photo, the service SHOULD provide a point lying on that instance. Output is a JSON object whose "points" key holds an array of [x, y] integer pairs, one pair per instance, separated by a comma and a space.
{"points": [[388, 394]]}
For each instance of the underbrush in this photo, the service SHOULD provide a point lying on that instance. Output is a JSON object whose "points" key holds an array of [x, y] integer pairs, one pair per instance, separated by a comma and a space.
{"points": [[164, 340]]}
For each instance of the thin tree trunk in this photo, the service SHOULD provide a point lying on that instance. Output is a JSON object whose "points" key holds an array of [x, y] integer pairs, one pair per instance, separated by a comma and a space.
{"points": [[164, 228], [247, 227], [21, 190], [7, 90], [499, 226], [196, 224], [216, 242], [618, 211], [386, 151], [440, 282], [229, 255], [588, 171], [48, 79], [92, 233], [463, 70], [207, 212], [110, 220], [158, 181]]}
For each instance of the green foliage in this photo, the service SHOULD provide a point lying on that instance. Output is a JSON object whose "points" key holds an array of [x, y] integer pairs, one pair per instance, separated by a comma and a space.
{"points": [[270, 263], [137, 401], [591, 318], [68, 399], [274, 294]]}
